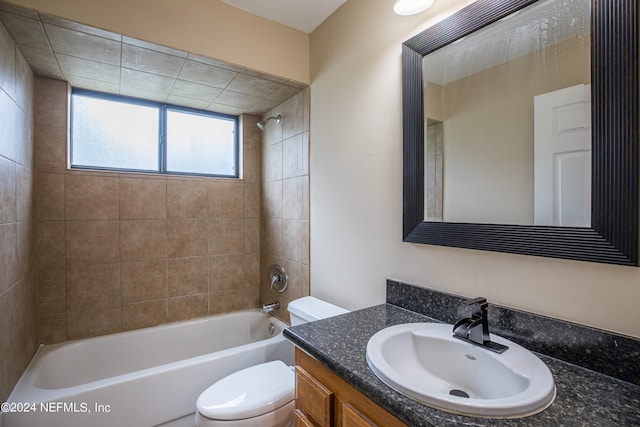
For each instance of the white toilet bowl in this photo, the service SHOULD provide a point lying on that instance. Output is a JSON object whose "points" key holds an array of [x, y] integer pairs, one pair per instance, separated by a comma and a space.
{"points": [[262, 395], [259, 396]]}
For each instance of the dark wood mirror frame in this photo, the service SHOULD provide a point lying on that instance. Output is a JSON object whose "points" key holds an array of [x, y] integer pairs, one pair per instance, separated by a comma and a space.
{"points": [[613, 235]]}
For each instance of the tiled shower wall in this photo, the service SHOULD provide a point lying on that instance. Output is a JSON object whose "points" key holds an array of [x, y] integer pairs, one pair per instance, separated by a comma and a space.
{"points": [[18, 305], [120, 251], [285, 200]]}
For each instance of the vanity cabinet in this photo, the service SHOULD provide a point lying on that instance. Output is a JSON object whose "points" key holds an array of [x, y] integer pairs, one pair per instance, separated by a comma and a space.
{"points": [[325, 400]]}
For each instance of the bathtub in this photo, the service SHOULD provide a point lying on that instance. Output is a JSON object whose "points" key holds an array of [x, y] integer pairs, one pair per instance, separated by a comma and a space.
{"points": [[147, 377]]}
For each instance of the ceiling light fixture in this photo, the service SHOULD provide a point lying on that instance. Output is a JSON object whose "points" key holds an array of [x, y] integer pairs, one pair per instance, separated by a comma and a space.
{"points": [[411, 7]]}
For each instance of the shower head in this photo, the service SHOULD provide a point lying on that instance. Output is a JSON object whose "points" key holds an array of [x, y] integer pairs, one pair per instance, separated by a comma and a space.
{"points": [[263, 124]]}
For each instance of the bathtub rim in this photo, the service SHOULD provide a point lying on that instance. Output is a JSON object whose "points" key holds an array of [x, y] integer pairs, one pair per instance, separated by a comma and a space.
{"points": [[26, 383]]}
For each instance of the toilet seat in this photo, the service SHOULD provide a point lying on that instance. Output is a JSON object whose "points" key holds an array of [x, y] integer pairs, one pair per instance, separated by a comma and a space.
{"points": [[248, 393]]}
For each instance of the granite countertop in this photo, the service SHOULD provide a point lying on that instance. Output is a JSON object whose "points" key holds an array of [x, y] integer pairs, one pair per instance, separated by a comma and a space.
{"points": [[584, 397]]}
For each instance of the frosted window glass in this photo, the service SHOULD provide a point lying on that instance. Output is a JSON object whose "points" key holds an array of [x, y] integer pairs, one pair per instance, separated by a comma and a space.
{"points": [[114, 135], [200, 144]]}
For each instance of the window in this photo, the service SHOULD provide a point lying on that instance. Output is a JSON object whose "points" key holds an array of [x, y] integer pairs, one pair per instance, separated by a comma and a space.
{"points": [[117, 133]]}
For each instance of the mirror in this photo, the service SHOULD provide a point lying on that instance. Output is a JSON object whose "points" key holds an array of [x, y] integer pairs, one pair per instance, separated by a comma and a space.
{"points": [[609, 229], [507, 110]]}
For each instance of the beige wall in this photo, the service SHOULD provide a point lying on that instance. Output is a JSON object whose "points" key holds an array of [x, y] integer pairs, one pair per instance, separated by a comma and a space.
{"points": [[122, 251], [285, 200], [356, 192], [18, 305], [205, 27]]}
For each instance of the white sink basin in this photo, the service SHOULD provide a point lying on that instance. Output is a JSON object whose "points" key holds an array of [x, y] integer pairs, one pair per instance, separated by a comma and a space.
{"points": [[425, 362]]}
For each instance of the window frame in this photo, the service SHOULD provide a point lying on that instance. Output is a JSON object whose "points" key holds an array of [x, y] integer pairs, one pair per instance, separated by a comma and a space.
{"points": [[162, 108]]}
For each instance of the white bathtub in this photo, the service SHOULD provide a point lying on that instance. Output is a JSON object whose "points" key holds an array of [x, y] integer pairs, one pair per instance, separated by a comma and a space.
{"points": [[146, 377]]}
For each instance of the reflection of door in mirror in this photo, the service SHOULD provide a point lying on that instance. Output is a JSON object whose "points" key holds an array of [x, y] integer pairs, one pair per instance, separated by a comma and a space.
{"points": [[480, 90], [562, 146]]}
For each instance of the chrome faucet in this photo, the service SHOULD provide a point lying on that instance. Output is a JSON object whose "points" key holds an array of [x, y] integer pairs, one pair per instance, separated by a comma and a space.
{"points": [[475, 329], [267, 308]]}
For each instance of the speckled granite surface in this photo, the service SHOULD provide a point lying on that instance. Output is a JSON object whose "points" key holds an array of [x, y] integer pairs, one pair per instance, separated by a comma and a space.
{"points": [[584, 397], [605, 352]]}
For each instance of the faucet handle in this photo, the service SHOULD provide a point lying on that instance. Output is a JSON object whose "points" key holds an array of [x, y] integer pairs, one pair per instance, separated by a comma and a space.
{"points": [[482, 302]]}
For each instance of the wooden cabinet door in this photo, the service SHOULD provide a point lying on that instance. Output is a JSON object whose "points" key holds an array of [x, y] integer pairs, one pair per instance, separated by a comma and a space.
{"points": [[351, 417], [301, 420], [313, 398]]}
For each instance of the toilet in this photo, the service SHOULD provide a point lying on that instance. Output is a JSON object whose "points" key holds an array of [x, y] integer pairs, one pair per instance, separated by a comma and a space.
{"points": [[261, 395]]}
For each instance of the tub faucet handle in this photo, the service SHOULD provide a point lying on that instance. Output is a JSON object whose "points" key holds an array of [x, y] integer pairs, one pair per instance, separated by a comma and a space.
{"points": [[279, 279]]}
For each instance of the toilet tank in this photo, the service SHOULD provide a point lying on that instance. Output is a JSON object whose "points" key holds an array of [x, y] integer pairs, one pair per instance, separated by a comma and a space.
{"points": [[308, 309]]}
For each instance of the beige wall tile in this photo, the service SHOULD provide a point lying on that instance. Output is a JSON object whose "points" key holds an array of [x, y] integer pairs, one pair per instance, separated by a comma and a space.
{"points": [[50, 203], [305, 198], [252, 201], [92, 242], [83, 323], [296, 288], [7, 62], [24, 83], [251, 135], [188, 307], [251, 166], [305, 243], [52, 292], [18, 284], [305, 153], [188, 276], [272, 199], [292, 157], [25, 199], [186, 199], [26, 248], [144, 281], [272, 163], [53, 329], [186, 238], [24, 131], [293, 238], [226, 199], [9, 271], [293, 115], [272, 238], [252, 268], [226, 301], [252, 297], [51, 148], [143, 198], [143, 239], [226, 272], [292, 198], [252, 235], [51, 102], [8, 204], [93, 286], [10, 112], [144, 314], [91, 197], [226, 236], [51, 244]]}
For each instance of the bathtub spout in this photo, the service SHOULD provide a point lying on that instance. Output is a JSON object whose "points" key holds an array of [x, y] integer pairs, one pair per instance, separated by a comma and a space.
{"points": [[267, 308]]}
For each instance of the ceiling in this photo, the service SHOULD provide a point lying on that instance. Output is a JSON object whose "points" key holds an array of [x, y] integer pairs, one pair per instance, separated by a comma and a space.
{"points": [[303, 15], [94, 59]]}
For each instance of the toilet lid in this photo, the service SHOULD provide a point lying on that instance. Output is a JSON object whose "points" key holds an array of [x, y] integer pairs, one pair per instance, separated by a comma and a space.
{"points": [[248, 393]]}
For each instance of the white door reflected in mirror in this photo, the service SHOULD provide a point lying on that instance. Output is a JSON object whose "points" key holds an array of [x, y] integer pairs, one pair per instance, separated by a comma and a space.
{"points": [[562, 157]]}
